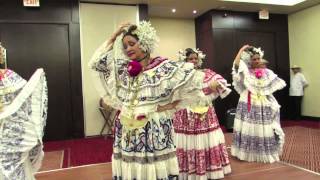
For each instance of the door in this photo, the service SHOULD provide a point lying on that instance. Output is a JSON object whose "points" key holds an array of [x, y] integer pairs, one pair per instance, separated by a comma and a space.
{"points": [[31, 46]]}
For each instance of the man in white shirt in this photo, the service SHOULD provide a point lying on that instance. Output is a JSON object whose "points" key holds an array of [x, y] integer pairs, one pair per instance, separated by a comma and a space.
{"points": [[297, 84]]}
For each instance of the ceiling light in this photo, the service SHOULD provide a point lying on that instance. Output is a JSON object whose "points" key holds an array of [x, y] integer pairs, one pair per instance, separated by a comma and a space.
{"points": [[173, 10], [274, 2], [194, 11]]}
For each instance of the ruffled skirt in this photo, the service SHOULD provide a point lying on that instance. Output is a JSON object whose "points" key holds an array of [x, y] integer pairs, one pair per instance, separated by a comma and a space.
{"points": [[257, 133], [201, 149], [146, 153]]}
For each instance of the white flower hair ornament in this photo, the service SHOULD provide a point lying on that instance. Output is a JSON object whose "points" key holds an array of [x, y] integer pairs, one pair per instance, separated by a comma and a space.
{"points": [[148, 39], [201, 56], [247, 54], [182, 55], [259, 51], [2, 54]]}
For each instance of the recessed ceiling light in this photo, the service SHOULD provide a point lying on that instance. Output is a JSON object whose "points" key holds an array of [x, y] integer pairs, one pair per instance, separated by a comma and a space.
{"points": [[194, 11], [274, 2], [173, 10]]}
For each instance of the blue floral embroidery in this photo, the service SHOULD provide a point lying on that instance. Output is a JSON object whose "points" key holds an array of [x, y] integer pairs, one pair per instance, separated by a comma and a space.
{"points": [[152, 137], [150, 78], [11, 141]]}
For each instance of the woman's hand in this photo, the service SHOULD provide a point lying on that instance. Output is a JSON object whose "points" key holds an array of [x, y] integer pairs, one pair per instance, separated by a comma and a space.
{"points": [[167, 106], [245, 47], [214, 85], [118, 32], [174, 104], [237, 58]]}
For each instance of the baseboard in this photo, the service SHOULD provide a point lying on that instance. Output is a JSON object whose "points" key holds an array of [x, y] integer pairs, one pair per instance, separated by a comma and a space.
{"points": [[310, 118]]}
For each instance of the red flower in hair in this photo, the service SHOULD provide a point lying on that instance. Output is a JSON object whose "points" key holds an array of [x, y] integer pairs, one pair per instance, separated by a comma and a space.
{"points": [[134, 68]]}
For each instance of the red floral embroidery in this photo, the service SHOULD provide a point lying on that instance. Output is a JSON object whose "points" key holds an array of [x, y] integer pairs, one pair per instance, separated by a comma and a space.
{"points": [[201, 161]]}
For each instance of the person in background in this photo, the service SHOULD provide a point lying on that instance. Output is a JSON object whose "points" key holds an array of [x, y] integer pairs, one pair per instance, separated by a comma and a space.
{"points": [[200, 142], [297, 85]]}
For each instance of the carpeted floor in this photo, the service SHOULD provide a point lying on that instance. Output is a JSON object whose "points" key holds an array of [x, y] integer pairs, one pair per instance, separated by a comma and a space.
{"points": [[79, 152], [303, 123], [302, 147]]}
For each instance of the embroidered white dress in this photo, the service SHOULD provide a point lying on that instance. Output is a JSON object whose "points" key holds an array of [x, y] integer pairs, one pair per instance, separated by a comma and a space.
{"points": [[200, 142], [257, 133], [143, 147], [22, 120]]}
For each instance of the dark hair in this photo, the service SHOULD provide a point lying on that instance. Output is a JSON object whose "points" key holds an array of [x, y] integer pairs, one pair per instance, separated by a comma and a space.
{"points": [[129, 32], [190, 51]]}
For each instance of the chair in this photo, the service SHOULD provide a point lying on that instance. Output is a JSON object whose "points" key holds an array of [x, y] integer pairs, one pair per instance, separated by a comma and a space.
{"points": [[109, 114]]}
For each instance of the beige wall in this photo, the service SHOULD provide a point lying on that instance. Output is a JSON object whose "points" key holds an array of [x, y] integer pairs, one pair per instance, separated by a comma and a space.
{"points": [[304, 43], [97, 22], [174, 34]]}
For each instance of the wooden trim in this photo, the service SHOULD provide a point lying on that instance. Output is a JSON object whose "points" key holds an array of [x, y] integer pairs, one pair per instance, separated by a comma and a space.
{"points": [[34, 22], [107, 3], [312, 118]]}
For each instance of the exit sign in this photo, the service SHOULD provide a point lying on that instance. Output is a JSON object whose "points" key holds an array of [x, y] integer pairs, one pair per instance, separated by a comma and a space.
{"points": [[264, 14], [31, 3]]}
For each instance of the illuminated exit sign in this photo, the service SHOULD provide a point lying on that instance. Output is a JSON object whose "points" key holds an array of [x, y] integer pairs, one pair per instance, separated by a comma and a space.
{"points": [[31, 3]]}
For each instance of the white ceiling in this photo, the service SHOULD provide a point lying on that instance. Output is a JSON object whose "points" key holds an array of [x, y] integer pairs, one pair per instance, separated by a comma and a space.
{"points": [[184, 8]]}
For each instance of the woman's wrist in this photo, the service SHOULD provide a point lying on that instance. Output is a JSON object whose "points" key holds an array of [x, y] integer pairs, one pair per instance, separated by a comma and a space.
{"points": [[113, 37]]}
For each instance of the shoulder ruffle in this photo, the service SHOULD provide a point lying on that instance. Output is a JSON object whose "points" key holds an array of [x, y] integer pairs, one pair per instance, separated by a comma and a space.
{"points": [[266, 85], [21, 128], [11, 82], [157, 84], [163, 83], [211, 76]]}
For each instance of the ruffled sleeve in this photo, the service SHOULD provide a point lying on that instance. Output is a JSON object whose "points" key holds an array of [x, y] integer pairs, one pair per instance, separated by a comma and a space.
{"points": [[266, 85], [168, 82], [244, 80], [10, 85], [106, 71], [21, 130], [11, 82], [191, 92], [165, 82], [210, 77], [238, 76]]}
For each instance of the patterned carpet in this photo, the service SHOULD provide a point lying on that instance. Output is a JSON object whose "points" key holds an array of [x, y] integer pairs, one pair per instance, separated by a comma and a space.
{"points": [[302, 147]]}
